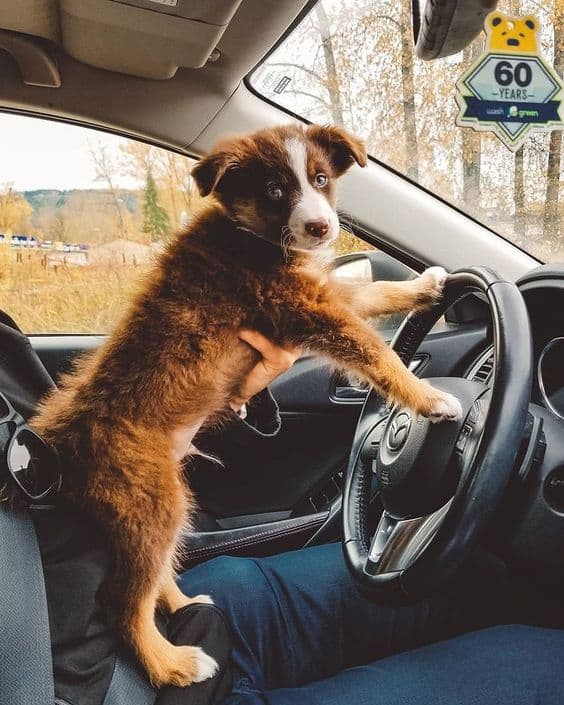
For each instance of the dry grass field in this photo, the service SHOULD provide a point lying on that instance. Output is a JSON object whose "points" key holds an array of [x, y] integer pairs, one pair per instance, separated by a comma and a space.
{"points": [[67, 298], [64, 298]]}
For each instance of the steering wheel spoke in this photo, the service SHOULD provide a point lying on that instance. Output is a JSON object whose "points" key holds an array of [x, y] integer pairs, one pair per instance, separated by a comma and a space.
{"points": [[397, 543]]}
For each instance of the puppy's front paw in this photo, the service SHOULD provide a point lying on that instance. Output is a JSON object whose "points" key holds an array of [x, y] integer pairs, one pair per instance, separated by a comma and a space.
{"points": [[430, 286], [443, 407]]}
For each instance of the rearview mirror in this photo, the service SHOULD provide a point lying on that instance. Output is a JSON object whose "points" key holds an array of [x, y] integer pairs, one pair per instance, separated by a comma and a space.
{"points": [[445, 27]]}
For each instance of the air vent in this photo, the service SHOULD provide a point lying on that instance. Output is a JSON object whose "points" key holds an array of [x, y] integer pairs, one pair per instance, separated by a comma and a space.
{"points": [[484, 370]]}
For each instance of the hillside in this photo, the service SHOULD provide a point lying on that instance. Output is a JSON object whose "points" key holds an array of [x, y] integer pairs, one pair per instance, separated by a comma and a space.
{"points": [[53, 198]]}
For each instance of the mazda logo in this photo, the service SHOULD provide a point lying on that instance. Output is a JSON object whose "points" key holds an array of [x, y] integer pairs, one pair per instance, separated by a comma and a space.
{"points": [[399, 430]]}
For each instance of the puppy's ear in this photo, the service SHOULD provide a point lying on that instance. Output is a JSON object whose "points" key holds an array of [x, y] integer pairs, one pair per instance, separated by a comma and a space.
{"points": [[210, 170], [343, 148]]}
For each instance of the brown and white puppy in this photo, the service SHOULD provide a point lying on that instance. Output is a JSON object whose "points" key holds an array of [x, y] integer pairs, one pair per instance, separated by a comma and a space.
{"points": [[256, 257]]}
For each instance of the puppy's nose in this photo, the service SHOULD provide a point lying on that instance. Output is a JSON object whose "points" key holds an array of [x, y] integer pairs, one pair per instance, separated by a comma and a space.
{"points": [[317, 228]]}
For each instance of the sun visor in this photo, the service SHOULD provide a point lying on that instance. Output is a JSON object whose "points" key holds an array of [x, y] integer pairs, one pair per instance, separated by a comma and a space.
{"points": [[146, 38]]}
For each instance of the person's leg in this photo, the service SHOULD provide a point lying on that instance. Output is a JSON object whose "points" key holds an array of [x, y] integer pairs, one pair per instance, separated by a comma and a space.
{"points": [[204, 626], [299, 617], [508, 665]]}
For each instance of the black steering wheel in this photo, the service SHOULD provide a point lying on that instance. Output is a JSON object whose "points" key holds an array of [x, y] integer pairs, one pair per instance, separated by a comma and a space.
{"points": [[439, 484]]}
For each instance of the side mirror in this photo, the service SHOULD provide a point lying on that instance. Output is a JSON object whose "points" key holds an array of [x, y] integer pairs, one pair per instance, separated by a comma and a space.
{"points": [[370, 266], [354, 268]]}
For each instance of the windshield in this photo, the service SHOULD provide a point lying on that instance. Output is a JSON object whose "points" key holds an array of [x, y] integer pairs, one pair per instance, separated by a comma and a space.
{"points": [[352, 62]]}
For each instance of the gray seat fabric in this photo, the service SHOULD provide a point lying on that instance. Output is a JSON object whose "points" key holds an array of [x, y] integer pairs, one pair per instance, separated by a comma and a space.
{"points": [[26, 672], [26, 669], [129, 685]]}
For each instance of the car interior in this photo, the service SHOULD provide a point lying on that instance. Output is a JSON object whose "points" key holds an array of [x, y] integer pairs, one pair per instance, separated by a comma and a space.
{"points": [[178, 76]]}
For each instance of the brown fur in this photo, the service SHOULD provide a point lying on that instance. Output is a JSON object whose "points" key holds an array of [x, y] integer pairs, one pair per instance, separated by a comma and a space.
{"points": [[175, 360]]}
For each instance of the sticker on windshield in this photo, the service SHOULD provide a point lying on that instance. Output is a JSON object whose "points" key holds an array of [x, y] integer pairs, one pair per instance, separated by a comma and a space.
{"points": [[510, 90]]}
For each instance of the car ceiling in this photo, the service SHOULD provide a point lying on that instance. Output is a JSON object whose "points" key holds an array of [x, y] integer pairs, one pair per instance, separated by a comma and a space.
{"points": [[172, 109]]}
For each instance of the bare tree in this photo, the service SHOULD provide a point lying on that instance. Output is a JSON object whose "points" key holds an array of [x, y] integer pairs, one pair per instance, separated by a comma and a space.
{"points": [[471, 146], [107, 167], [333, 83], [551, 215], [408, 90], [520, 218]]}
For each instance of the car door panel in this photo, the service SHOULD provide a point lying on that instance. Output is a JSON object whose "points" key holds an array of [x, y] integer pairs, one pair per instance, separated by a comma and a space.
{"points": [[296, 471]]}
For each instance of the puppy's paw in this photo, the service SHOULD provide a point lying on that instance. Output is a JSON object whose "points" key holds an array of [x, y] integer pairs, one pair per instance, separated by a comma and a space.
{"points": [[430, 286], [181, 666], [444, 407], [206, 666]]}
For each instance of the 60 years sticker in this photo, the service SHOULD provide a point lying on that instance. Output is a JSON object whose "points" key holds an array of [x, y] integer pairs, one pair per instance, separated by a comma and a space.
{"points": [[510, 90]]}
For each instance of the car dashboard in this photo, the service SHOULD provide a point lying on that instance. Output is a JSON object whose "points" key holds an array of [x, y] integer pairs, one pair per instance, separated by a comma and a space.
{"points": [[530, 525], [543, 291]]}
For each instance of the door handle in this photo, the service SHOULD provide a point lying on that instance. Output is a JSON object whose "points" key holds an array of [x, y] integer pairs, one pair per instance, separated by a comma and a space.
{"points": [[357, 390]]}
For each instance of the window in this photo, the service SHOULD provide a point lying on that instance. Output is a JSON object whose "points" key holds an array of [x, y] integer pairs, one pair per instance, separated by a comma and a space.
{"points": [[82, 214], [352, 63]]}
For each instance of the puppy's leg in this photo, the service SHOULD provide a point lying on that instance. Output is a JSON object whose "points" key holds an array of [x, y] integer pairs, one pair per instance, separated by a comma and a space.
{"points": [[144, 526], [171, 597], [387, 298], [355, 345]]}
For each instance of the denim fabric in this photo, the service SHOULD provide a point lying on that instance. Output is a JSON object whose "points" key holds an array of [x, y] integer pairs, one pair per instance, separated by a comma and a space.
{"points": [[304, 634]]}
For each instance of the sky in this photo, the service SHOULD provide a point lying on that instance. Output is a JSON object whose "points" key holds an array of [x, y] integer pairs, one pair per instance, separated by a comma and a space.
{"points": [[36, 154]]}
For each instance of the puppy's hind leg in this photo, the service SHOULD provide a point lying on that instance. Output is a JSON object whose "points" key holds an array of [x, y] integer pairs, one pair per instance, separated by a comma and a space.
{"points": [[171, 597], [144, 535]]}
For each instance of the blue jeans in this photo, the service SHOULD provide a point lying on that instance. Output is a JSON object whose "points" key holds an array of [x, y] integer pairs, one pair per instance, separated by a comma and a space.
{"points": [[305, 635]]}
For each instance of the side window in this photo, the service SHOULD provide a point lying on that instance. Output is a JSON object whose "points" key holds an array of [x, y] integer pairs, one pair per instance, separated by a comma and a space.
{"points": [[82, 214]]}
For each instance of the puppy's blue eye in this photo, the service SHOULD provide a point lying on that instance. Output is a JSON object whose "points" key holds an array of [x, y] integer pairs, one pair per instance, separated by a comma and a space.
{"points": [[321, 180], [274, 191]]}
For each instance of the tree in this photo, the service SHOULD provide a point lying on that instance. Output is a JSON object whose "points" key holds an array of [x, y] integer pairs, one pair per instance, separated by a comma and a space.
{"points": [[107, 167], [155, 218], [15, 211], [408, 93], [520, 219], [471, 145], [333, 83], [551, 216]]}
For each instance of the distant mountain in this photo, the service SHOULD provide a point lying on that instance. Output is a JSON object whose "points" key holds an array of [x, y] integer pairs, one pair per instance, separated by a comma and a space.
{"points": [[53, 198]]}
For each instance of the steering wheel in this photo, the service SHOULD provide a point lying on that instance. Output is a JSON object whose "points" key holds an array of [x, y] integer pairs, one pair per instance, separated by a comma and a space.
{"points": [[439, 484]]}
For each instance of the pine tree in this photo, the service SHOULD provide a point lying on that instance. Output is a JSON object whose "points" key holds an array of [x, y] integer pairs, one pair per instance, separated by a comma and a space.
{"points": [[155, 218]]}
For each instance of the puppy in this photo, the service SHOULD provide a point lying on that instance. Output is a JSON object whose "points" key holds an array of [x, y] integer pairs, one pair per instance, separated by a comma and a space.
{"points": [[257, 257]]}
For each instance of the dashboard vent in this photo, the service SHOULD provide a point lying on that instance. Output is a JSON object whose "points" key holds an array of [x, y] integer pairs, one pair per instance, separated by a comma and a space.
{"points": [[484, 371]]}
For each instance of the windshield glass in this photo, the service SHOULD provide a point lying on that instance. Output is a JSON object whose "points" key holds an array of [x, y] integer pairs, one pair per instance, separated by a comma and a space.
{"points": [[352, 62]]}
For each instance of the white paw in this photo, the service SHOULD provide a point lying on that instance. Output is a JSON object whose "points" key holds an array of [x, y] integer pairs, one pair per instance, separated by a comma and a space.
{"points": [[445, 408], [438, 275], [206, 666], [202, 600]]}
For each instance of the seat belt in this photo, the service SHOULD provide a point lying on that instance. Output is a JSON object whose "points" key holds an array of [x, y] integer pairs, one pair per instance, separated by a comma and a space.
{"points": [[26, 667]]}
